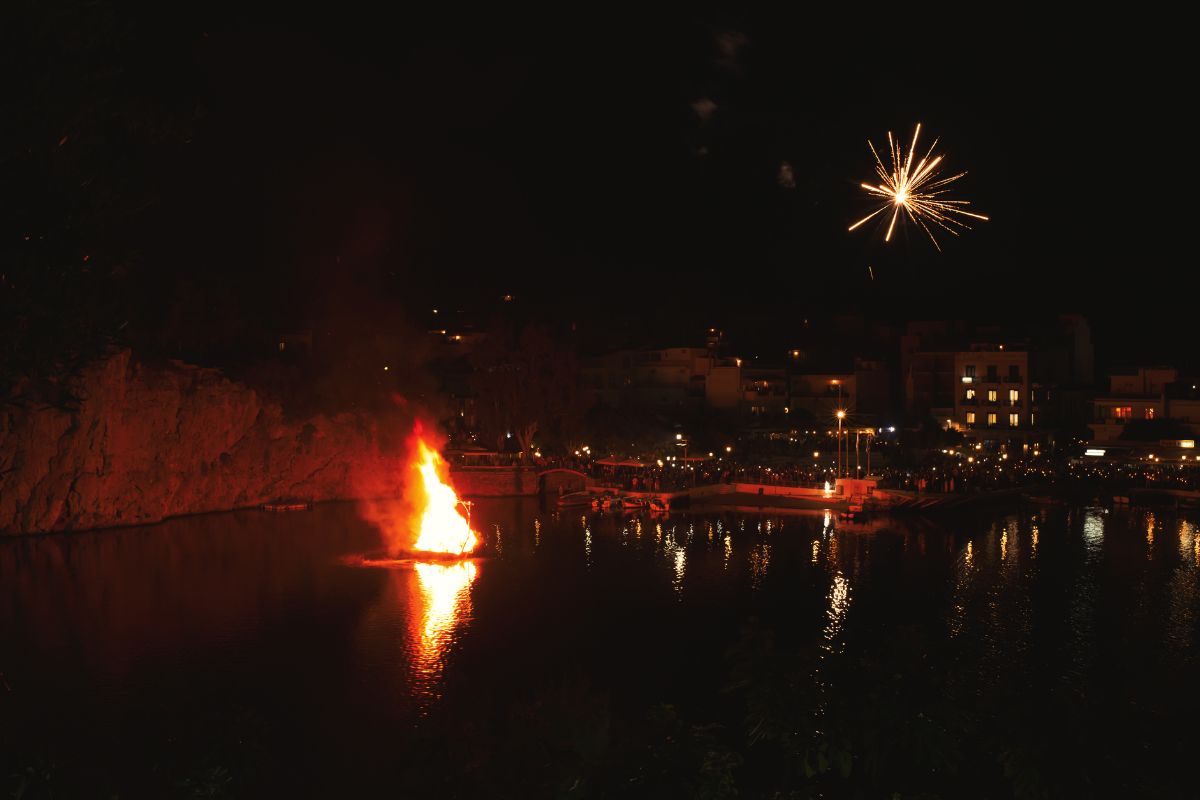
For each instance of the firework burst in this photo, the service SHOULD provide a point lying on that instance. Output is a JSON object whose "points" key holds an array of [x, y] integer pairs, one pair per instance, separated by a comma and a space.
{"points": [[918, 190]]}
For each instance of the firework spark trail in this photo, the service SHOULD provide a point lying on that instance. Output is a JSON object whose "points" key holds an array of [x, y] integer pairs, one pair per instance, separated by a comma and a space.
{"points": [[919, 192]]}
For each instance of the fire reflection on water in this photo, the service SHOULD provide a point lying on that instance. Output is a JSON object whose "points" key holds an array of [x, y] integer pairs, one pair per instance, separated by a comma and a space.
{"points": [[445, 601], [424, 608], [442, 593]]}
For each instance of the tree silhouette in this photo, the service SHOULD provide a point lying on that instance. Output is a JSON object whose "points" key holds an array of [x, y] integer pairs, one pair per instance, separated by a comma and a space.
{"points": [[525, 382]]}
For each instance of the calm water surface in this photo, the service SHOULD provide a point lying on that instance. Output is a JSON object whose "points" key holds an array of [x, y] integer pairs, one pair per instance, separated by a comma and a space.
{"points": [[243, 647]]}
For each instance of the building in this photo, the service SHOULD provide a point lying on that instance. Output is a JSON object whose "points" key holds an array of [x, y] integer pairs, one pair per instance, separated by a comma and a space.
{"points": [[819, 395], [927, 368], [873, 382], [993, 401], [1146, 414], [764, 391], [609, 377], [664, 377], [670, 376], [1133, 394], [723, 387]]}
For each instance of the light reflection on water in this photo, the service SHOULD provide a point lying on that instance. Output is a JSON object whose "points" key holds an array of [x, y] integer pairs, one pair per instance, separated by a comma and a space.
{"points": [[98, 613], [680, 564], [424, 607], [1184, 597], [1082, 610], [445, 599], [1150, 536], [760, 561], [839, 607]]}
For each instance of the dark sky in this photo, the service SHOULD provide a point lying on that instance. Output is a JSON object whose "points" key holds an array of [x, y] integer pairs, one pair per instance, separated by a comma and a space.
{"points": [[424, 161]]}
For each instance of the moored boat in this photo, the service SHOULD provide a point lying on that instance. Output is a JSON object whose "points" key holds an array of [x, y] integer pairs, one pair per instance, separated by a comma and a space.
{"points": [[575, 499]]}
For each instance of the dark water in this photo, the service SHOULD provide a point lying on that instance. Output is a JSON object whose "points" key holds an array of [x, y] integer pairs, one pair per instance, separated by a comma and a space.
{"points": [[238, 654]]}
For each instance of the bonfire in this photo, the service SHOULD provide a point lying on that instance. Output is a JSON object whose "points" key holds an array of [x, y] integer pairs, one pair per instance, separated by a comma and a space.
{"points": [[443, 530]]}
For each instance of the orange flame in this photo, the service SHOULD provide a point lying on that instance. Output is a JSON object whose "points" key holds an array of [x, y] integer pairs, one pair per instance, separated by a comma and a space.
{"points": [[443, 528]]}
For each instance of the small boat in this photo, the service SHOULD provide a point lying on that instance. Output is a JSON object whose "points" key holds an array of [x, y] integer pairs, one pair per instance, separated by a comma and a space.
{"points": [[575, 499], [1042, 499], [633, 503], [286, 506], [659, 504], [610, 502]]}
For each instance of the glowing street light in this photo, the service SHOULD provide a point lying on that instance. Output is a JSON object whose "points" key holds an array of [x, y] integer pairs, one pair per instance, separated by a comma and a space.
{"points": [[841, 415]]}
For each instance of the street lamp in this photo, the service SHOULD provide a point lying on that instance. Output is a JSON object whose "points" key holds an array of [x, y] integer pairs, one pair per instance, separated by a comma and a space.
{"points": [[681, 442], [841, 415]]}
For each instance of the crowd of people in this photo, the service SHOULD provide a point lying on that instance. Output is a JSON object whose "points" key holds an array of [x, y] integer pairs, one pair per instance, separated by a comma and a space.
{"points": [[948, 474]]}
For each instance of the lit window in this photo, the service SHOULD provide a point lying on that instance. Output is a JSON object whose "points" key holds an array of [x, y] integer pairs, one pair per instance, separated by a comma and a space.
{"points": [[1014, 397], [992, 395], [970, 394], [991, 419], [282, 346], [1032, 418], [1123, 412], [1014, 420], [970, 417], [1149, 413]]}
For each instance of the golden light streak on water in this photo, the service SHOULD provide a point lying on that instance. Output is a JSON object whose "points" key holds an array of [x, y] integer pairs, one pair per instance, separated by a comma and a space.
{"points": [[760, 560], [1150, 536], [839, 606], [680, 567]]}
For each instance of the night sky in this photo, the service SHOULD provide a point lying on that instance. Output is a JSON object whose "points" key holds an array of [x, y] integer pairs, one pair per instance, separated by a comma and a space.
{"points": [[626, 169]]}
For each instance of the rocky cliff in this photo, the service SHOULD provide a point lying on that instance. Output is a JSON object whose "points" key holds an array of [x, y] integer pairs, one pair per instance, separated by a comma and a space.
{"points": [[147, 443]]}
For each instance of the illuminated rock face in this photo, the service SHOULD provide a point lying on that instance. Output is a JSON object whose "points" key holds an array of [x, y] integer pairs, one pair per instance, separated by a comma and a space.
{"points": [[148, 442]]}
